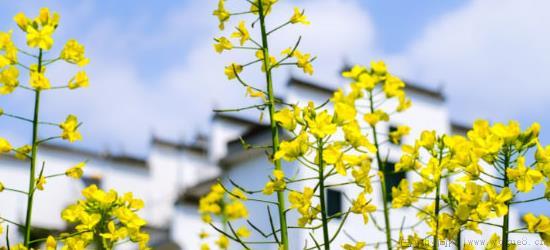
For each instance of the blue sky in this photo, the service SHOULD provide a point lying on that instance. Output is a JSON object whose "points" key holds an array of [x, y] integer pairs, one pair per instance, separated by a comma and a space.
{"points": [[400, 22], [152, 66]]}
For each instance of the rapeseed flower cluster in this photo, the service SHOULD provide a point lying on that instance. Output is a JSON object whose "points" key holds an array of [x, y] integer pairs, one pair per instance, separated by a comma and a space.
{"points": [[102, 219], [228, 206], [216, 203], [489, 170], [467, 180]]}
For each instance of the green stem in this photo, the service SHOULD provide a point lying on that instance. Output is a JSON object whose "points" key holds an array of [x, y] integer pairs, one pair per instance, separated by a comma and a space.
{"points": [[273, 125], [506, 219], [322, 198], [30, 195], [382, 167], [459, 240], [437, 200], [436, 217]]}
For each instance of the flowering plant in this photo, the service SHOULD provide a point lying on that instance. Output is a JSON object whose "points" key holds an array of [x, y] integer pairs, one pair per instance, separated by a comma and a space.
{"points": [[103, 218], [459, 181]]}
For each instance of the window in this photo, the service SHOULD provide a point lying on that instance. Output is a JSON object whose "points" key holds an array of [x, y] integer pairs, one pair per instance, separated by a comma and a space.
{"points": [[89, 180], [334, 202], [392, 179]]}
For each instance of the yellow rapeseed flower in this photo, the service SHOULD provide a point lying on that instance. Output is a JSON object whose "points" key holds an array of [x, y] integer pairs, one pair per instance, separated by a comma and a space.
{"points": [[254, 93], [5, 146], [304, 62], [508, 133], [401, 131], [353, 135], [358, 246], [276, 184], [76, 171], [361, 170], [40, 183], [232, 70], [404, 103], [354, 72], [286, 118], [40, 38], [498, 201], [393, 86], [51, 243], [9, 57], [39, 81], [73, 52], [301, 201], [402, 197], [241, 33], [203, 234], [235, 210], [46, 18], [114, 233], [333, 155], [363, 207], [80, 80], [222, 43], [22, 21], [260, 56], [299, 17], [321, 125], [22, 153], [427, 139], [243, 232], [9, 80], [70, 129], [222, 14], [379, 67], [344, 112], [378, 115], [222, 242], [19, 246], [290, 150], [540, 225], [267, 5], [524, 177]]}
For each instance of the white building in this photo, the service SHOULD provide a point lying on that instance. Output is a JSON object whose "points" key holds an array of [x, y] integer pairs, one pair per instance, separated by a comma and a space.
{"points": [[173, 176]]}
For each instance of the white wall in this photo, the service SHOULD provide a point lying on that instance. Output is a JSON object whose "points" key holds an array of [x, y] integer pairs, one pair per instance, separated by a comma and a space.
{"points": [[186, 226]]}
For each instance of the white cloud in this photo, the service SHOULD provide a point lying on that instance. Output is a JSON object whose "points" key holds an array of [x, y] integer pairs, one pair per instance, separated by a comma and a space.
{"points": [[488, 53], [188, 92], [491, 57], [167, 80]]}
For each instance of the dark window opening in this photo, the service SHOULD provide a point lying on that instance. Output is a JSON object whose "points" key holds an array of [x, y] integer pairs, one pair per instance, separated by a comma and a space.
{"points": [[90, 180], [334, 203], [392, 179]]}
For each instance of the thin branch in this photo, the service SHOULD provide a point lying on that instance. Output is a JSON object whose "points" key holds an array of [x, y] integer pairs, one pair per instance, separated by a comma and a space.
{"points": [[530, 200], [11, 222], [259, 107], [15, 190], [237, 236], [278, 27], [272, 226]]}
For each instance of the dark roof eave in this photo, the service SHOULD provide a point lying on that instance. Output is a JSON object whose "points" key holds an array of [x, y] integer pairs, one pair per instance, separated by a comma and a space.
{"points": [[233, 118], [194, 193], [133, 161], [461, 127], [179, 146], [409, 86]]}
